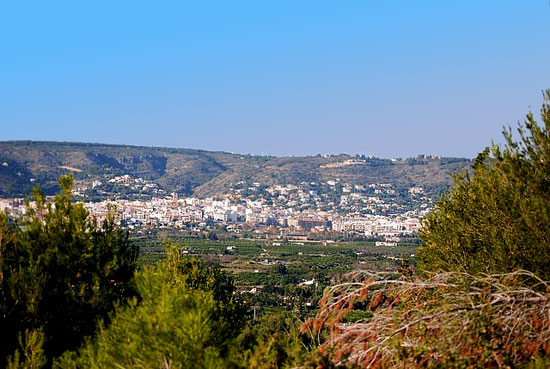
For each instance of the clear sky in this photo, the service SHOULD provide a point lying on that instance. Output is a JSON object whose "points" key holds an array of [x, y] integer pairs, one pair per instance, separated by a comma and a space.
{"points": [[386, 78]]}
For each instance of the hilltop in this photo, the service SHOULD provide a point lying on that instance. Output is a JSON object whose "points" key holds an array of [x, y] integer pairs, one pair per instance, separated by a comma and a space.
{"points": [[23, 164]]}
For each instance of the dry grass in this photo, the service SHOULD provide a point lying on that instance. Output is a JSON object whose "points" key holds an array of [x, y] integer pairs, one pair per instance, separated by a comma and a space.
{"points": [[445, 320]]}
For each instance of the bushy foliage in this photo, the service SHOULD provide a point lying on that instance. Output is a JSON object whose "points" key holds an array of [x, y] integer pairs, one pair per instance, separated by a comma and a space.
{"points": [[32, 357], [276, 340], [60, 272], [273, 341], [185, 317], [196, 275], [496, 218]]}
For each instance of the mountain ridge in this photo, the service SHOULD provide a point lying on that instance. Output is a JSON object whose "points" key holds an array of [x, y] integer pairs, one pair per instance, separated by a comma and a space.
{"points": [[25, 163]]}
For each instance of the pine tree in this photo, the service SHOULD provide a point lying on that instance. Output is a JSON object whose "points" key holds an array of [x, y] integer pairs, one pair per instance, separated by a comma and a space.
{"points": [[60, 272], [496, 218], [186, 316]]}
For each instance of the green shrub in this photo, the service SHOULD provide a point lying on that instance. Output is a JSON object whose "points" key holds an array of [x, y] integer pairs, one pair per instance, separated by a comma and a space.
{"points": [[273, 341], [185, 317], [496, 218], [32, 357], [60, 272]]}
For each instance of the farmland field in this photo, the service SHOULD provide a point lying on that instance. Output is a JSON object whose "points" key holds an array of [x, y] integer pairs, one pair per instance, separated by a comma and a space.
{"points": [[274, 274]]}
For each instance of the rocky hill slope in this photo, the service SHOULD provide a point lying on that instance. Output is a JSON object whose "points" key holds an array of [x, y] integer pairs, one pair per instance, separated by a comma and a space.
{"points": [[24, 164]]}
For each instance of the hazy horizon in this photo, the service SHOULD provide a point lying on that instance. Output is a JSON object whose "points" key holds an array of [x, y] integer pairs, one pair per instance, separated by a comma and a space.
{"points": [[230, 152]]}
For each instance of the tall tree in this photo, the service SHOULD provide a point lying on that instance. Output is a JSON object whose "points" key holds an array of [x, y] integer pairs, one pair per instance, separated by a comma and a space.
{"points": [[186, 317], [60, 271], [496, 218]]}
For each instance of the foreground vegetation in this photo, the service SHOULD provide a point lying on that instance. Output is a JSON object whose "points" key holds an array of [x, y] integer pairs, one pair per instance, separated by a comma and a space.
{"points": [[480, 297], [60, 274], [74, 295]]}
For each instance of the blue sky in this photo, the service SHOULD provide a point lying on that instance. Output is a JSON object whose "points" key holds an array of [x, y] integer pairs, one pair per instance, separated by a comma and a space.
{"points": [[386, 78]]}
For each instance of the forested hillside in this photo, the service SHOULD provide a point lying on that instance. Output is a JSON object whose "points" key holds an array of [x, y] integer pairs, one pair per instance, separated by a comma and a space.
{"points": [[23, 164]]}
